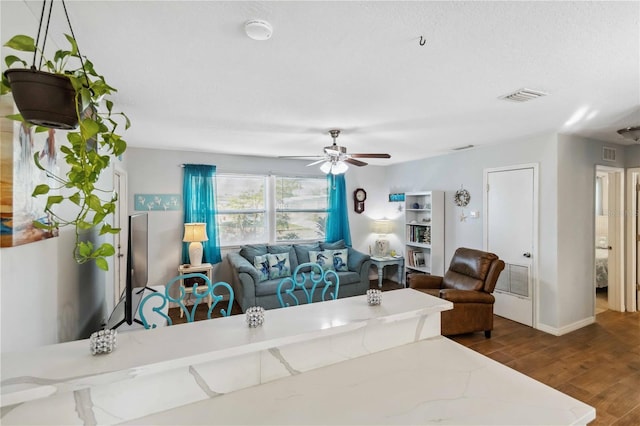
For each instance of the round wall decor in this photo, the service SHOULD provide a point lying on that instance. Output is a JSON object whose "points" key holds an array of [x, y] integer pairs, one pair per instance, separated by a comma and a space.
{"points": [[462, 197]]}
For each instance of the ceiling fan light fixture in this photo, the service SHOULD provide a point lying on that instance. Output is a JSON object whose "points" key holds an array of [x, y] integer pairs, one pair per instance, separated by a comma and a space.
{"points": [[632, 133], [339, 168], [335, 158], [326, 167]]}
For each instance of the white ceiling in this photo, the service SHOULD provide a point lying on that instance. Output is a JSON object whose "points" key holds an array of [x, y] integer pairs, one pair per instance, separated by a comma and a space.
{"points": [[190, 79]]}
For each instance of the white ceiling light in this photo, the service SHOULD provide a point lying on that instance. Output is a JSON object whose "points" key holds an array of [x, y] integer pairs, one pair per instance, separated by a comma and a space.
{"points": [[258, 29], [326, 167], [339, 168], [335, 167], [632, 133]]}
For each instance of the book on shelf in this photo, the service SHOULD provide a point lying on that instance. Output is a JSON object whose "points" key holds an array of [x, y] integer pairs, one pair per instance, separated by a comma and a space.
{"points": [[416, 258], [419, 234]]}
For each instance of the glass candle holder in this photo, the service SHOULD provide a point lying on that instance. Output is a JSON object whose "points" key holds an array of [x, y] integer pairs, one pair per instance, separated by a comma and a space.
{"points": [[103, 342], [255, 316], [374, 297]]}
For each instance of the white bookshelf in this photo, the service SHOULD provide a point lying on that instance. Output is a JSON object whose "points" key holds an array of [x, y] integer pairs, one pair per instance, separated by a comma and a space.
{"points": [[424, 232]]}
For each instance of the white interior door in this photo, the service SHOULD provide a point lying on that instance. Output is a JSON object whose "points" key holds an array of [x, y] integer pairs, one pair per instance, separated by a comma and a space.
{"points": [[613, 244], [634, 287], [613, 196], [509, 233], [632, 292]]}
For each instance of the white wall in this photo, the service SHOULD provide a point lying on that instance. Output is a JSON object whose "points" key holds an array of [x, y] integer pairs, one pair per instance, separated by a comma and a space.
{"points": [[374, 181], [577, 160], [28, 295], [45, 297], [465, 168], [631, 155]]}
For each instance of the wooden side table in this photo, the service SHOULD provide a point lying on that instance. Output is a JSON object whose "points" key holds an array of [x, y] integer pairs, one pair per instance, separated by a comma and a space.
{"points": [[381, 262], [205, 269]]}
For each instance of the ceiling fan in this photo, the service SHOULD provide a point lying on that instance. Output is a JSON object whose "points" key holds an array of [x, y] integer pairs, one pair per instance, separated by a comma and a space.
{"points": [[335, 157]]}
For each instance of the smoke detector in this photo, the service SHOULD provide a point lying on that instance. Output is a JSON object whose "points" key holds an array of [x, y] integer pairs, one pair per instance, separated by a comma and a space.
{"points": [[258, 29]]}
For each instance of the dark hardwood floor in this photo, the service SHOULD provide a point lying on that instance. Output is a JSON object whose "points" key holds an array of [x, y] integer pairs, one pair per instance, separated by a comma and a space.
{"points": [[598, 364]]}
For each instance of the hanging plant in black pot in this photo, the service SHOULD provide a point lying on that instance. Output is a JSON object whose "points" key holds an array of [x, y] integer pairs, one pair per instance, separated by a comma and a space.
{"points": [[43, 98], [57, 95]]}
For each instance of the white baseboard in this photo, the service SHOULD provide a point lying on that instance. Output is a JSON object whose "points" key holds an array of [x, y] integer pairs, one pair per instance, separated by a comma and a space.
{"points": [[567, 328]]}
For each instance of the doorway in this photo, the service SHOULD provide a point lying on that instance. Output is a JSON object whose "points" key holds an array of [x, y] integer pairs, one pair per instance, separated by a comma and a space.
{"points": [[120, 220], [609, 239], [511, 218], [632, 293], [602, 241]]}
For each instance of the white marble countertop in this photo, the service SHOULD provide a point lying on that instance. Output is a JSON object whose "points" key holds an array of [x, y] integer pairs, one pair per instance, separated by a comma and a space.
{"points": [[433, 381], [70, 366]]}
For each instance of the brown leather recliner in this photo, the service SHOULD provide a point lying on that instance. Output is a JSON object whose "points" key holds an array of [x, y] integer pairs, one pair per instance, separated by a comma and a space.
{"points": [[468, 283]]}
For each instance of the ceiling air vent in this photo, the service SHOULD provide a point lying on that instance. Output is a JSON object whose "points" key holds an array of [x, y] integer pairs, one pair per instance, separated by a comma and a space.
{"points": [[608, 154], [523, 95]]}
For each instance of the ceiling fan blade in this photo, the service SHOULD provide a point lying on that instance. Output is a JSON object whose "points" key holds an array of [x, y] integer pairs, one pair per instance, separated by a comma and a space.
{"points": [[301, 156], [316, 162], [355, 162], [370, 155]]}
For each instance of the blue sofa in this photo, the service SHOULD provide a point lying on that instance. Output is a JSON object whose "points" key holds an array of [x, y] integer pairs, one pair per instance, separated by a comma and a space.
{"points": [[250, 290]]}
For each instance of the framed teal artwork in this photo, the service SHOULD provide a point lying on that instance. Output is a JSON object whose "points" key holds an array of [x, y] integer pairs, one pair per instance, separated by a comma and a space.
{"points": [[157, 202]]}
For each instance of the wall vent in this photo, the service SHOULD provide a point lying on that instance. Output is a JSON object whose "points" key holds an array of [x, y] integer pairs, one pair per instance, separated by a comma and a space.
{"points": [[608, 153], [523, 95], [514, 279]]}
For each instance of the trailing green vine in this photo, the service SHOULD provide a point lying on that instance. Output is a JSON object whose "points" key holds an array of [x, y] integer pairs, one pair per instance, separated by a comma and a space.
{"points": [[95, 134]]}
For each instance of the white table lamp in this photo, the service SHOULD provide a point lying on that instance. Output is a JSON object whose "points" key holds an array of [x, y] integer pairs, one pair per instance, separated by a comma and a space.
{"points": [[195, 233], [382, 227]]}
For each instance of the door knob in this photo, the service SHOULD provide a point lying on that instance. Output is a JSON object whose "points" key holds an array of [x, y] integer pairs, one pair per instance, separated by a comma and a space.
{"points": [[527, 254]]}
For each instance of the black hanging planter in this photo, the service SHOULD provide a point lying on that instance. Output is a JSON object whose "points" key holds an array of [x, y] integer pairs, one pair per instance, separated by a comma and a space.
{"points": [[44, 99]]}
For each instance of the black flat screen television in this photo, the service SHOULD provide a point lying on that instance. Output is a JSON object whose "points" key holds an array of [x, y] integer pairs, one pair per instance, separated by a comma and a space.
{"points": [[137, 272]]}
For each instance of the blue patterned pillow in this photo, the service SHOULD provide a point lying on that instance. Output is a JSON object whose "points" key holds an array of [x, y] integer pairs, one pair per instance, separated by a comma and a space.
{"points": [[261, 263], [293, 259], [279, 265], [340, 259], [323, 258]]}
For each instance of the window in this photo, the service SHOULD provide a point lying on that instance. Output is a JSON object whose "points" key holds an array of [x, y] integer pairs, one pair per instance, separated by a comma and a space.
{"points": [[267, 209], [301, 208], [241, 202]]}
